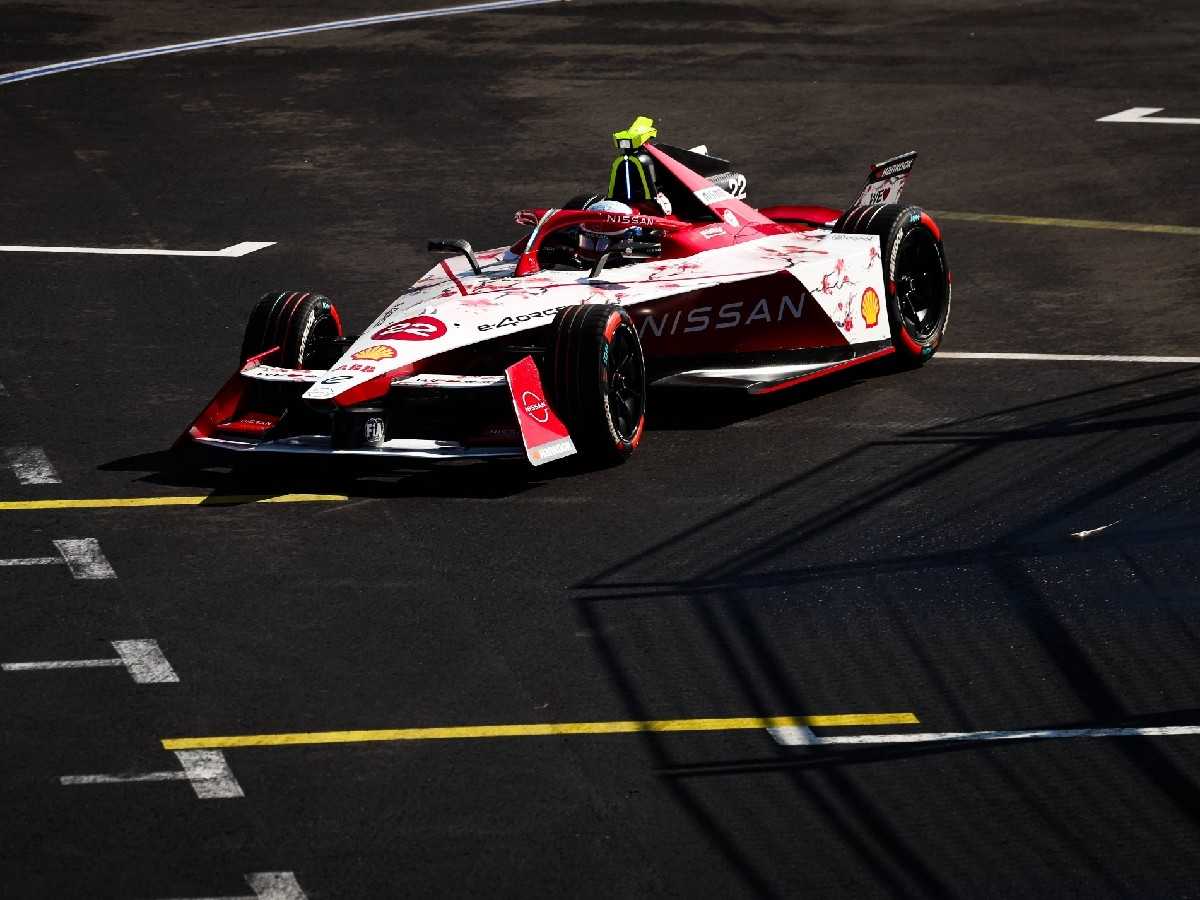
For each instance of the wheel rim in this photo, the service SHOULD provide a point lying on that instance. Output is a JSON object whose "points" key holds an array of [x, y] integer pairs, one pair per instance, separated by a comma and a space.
{"points": [[626, 384], [920, 284]]}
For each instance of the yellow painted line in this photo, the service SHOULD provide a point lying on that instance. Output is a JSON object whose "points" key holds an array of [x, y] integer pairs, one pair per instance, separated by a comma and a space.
{"points": [[1098, 224], [460, 732], [214, 500]]}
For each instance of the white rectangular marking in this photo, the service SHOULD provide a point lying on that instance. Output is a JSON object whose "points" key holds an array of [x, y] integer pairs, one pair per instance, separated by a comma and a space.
{"points": [[206, 770], [3, 390], [209, 773], [233, 251], [948, 736], [31, 465], [1144, 115], [145, 662], [60, 664], [84, 558], [1071, 357]]}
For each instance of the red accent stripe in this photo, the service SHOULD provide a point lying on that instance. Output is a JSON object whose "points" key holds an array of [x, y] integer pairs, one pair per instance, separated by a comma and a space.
{"points": [[931, 225], [458, 284], [820, 373], [910, 343]]}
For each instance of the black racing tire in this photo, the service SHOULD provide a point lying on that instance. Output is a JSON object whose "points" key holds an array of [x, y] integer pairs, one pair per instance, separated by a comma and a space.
{"points": [[915, 274], [596, 380], [297, 322]]}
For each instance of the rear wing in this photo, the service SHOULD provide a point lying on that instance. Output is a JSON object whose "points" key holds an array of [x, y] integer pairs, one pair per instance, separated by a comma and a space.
{"points": [[886, 180]]}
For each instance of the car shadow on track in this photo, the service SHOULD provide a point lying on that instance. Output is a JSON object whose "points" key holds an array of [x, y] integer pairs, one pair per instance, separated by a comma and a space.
{"points": [[1130, 446]]}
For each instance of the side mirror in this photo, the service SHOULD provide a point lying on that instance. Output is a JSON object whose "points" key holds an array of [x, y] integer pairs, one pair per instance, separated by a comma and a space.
{"points": [[458, 246]]}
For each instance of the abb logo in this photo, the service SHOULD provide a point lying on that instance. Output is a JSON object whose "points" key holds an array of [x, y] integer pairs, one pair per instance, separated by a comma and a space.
{"points": [[535, 407], [418, 328]]}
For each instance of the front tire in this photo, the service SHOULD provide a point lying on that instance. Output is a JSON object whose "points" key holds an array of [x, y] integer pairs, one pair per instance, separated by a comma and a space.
{"points": [[597, 381], [916, 277], [294, 321]]}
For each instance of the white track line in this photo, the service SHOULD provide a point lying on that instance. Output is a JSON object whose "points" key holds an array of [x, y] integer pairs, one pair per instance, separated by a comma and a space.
{"points": [[231, 252], [84, 558], [143, 659], [250, 37], [786, 737], [1072, 357], [31, 465], [61, 664], [206, 770]]}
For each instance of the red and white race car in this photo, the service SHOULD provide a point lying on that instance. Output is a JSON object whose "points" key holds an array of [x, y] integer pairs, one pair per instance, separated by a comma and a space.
{"points": [[546, 348]]}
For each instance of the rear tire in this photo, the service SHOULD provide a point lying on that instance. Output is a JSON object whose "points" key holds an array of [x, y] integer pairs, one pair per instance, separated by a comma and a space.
{"points": [[294, 321], [916, 277], [597, 380]]}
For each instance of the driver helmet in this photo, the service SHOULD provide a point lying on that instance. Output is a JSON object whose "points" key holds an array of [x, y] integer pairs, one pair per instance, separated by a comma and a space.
{"points": [[594, 240]]}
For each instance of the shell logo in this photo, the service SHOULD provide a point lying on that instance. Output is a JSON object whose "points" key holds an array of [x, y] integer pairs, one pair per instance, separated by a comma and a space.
{"points": [[870, 307], [375, 353]]}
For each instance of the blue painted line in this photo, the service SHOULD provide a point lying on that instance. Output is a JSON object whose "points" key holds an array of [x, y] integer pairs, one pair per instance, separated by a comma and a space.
{"points": [[92, 61]]}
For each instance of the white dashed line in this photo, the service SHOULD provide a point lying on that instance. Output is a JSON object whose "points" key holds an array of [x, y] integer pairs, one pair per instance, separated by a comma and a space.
{"points": [[143, 659], [1071, 357], [206, 770], [269, 886], [81, 555], [232, 251], [784, 736], [31, 465], [1144, 115], [129, 56]]}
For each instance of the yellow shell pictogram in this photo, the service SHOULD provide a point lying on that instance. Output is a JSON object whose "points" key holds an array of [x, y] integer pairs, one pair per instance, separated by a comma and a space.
{"points": [[377, 352], [870, 307]]}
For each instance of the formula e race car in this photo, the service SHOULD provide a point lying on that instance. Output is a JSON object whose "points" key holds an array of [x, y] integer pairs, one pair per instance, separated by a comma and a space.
{"points": [[546, 348]]}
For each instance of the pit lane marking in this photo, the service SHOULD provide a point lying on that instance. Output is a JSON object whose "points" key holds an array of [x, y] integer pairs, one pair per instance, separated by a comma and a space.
{"points": [[249, 37], [143, 660], [1072, 357], [82, 556], [1144, 115], [1098, 224], [205, 770], [31, 465], [936, 737], [233, 251], [543, 729]]}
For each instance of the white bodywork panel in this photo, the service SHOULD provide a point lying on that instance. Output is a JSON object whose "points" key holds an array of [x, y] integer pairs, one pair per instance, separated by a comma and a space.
{"points": [[450, 307]]}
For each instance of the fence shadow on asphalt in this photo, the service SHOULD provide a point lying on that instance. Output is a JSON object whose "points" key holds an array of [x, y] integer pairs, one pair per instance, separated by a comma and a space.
{"points": [[721, 599]]}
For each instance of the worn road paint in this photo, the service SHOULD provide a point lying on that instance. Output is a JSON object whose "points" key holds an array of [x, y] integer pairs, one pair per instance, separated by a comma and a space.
{"points": [[1144, 115], [1073, 357], [269, 886], [231, 252], [215, 500], [206, 770], [84, 558], [141, 658], [935, 737], [61, 664], [34, 561], [460, 732], [4, 391], [1096, 224], [31, 465], [166, 49], [145, 661]]}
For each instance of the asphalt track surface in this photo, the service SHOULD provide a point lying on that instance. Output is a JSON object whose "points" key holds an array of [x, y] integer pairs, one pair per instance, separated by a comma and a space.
{"points": [[883, 543]]}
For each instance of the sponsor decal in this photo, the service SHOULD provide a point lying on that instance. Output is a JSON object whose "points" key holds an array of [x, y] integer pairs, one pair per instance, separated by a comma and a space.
{"points": [[712, 231], [730, 219], [376, 353], [513, 321], [664, 203], [353, 367], [896, 168], [712, 194], [337, 379], [870, 307], [373, 432], [535, 407], [728, 315], [418, 328]]}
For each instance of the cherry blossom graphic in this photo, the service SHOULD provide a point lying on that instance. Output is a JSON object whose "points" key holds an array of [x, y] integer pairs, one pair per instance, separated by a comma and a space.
{"points": [[835, 279]]}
